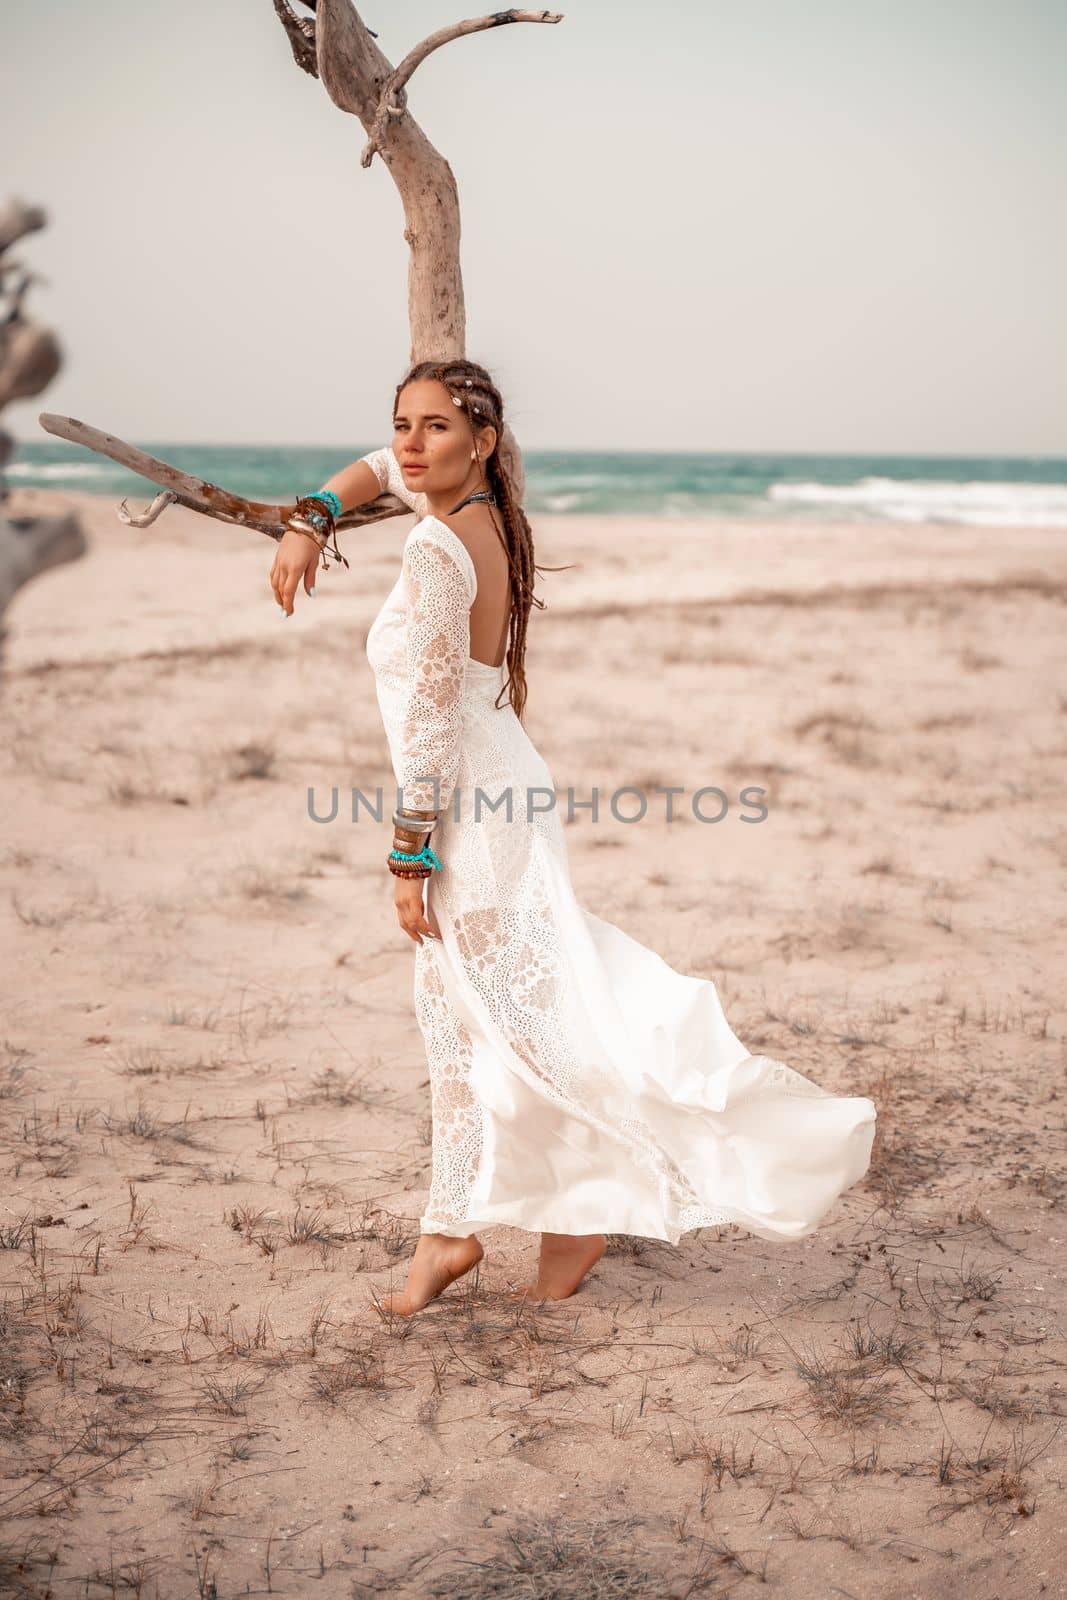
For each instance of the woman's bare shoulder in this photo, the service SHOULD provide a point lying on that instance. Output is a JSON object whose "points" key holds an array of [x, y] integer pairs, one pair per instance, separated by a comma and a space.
{"points": [[474, 527]]}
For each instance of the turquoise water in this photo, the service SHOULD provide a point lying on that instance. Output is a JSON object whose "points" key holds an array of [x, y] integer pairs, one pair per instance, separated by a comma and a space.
{"points": [[987, 491]]}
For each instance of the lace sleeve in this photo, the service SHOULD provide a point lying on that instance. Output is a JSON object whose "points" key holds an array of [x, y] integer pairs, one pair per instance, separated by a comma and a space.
{"points": [[386, 469], [438, 590]]}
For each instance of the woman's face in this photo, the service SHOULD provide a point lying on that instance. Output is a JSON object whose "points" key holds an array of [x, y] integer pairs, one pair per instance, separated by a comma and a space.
{"points": [[432, 438]]}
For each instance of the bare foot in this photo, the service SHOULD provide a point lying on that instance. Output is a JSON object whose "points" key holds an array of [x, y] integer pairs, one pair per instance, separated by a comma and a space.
{"points": [[438, 1261], [565, 1260]]}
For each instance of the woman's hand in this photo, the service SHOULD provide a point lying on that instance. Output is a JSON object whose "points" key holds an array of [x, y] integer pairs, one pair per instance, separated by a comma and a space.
{"points": [[407, 897], [296, 557]]}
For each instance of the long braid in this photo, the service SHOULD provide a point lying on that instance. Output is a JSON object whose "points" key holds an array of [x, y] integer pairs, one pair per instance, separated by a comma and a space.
{"points": [[476, 389]]}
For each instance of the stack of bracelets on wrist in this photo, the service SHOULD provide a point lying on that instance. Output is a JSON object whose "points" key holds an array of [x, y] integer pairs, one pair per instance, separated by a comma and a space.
{"points": [[408, 831], [315, 515]]}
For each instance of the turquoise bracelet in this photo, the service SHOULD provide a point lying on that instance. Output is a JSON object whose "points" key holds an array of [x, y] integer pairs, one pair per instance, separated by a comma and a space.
{"points": [[425, 855], [327, 497]]}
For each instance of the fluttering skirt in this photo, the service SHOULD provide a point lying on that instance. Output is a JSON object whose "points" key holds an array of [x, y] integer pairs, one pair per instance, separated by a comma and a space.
{"points": [[579, 1084]]}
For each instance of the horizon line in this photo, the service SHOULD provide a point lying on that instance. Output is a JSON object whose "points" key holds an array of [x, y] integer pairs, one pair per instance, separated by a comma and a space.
{"points": [[150, 445]]}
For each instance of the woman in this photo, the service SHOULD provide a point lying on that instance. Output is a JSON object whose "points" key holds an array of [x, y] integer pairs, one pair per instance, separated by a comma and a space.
{"points": [[579, 1085]]}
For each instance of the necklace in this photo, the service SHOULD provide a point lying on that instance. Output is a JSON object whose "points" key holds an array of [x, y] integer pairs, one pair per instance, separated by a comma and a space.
{"points": [[479, 494]]}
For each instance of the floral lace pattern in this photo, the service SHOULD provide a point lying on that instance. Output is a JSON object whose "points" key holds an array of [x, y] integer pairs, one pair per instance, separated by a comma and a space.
{"points": [[455, 1113], [438, 600]]}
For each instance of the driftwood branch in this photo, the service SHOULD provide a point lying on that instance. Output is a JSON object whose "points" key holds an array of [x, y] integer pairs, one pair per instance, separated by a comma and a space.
{"points": [[301, 35], [42, 532], [356, 75], [17, 219], [336, 47], [31, 359], [197, 494], [392, 99], [301, 31], [31, 543]]}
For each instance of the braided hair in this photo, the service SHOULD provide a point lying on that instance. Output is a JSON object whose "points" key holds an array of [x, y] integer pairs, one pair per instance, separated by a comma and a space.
{"points": [[476, 388]]}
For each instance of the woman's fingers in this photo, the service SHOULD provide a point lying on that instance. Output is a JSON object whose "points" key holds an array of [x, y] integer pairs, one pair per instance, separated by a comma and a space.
{"points": [[309, 573], [418, 929], [287, 587], [410, 913], [292, 563], [283, 583]]}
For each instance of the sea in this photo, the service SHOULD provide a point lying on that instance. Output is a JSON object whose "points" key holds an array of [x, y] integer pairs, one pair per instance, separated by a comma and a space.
{"points": [[1017, 491]]}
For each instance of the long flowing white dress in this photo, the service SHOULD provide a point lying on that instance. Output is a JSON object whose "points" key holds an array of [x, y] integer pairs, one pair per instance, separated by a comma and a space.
{"points": [[578, 1083]]}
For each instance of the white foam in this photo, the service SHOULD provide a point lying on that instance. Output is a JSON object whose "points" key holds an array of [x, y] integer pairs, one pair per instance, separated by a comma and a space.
{"points": [[58, 469], [1031, 505]]}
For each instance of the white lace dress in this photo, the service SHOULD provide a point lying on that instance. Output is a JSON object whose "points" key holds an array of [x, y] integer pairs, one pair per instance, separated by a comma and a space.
{"points": [[578, 1083]]}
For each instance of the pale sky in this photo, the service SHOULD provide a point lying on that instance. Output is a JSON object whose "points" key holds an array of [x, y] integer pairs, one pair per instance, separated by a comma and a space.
{"points": [[687, 225]]}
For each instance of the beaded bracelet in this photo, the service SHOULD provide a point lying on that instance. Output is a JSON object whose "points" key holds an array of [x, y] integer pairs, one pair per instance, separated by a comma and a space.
{"points": [[313, 516], [313, 513], [403, 859], [407, 844], [328, 498]]}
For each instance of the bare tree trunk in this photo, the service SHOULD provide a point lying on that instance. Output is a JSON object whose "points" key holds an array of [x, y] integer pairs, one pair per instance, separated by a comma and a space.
{"points": [[44, 534], [337, 48]]}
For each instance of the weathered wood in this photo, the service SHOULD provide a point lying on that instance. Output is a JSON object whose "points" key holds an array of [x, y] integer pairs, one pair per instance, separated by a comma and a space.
{"points": [[392, 97], [17, 218], [360, 80], [36, 532], [30, 360], [336, 47], [198, 494]]}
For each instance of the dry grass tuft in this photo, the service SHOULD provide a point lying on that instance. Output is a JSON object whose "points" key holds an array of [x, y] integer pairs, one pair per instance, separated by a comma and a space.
{"points": [[848, 1392], [559, 1558]]}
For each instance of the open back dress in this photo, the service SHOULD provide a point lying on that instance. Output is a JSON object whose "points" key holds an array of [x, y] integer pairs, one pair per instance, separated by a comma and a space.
{"points": [[578, 1083]]}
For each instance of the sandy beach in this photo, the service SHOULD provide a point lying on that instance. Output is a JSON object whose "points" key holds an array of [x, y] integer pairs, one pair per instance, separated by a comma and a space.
{"points": [[215, 1112]]}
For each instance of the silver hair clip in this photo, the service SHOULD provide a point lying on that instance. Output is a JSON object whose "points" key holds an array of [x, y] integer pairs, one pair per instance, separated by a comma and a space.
{"points": [[468, 383], [456, 401]]}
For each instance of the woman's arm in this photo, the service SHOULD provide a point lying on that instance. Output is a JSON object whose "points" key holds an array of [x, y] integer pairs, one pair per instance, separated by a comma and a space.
{"points": [[386, 469], [357, 484], [438, 594], [437, 599]]}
